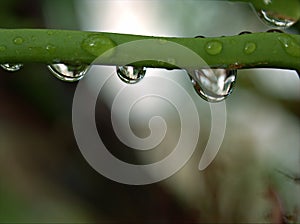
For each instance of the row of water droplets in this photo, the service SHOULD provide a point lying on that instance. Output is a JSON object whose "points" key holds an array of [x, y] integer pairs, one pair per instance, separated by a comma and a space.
{"points": [[212, 85]]}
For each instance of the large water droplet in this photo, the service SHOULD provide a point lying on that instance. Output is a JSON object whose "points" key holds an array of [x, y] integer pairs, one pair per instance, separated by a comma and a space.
{"points": [[213, 85], [11, 67], [275, 19], [290, 45], [68, 73], [130, 74], [213, 47], [97, 44]]}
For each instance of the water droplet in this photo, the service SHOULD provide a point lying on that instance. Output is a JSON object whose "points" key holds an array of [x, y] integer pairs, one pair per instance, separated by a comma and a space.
{"points": [[11, 67], [171, 61], [275, 31], [130, 74], [50, 48], [18, 40], [2, 48], [162, 41], [214, 47], [50, 32], [290, 45], [213, 85], [275, 19], [249, 47], [68, 73], [97, 44], [245, 32]]}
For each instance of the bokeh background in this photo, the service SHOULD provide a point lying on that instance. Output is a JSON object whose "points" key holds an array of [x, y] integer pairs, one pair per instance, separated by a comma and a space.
{"points": [[44, 178]]}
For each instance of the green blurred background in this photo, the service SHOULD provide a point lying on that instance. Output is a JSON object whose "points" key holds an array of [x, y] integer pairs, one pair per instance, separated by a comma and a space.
{"points": [[45, 179]]}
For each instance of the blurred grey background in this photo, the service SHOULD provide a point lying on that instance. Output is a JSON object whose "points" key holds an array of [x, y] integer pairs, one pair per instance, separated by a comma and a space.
{"points": [[44, 178]]}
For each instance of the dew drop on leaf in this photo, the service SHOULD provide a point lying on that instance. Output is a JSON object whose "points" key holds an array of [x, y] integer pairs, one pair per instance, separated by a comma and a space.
{"points": [[68, 73], [131, 74], [11, 67], [97, 44], [249, 48], [213, 85], [214, 47], [290, 45], [18, 40]]}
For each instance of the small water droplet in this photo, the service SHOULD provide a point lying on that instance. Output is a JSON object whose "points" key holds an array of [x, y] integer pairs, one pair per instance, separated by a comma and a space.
{"points": [[171, 61], [50, 48], [162, 41], [213, 85], [68, 73], [274, 31], [214, 47], [50, 32], [2, 48], [245, 32], [290, 45], [249, 47], [97, 44], [275, 19], [130, 74], [11, 67], [18, 40]]}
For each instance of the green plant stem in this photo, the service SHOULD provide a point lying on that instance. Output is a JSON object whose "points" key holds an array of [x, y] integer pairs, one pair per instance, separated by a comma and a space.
{"points": [[273, 50]]}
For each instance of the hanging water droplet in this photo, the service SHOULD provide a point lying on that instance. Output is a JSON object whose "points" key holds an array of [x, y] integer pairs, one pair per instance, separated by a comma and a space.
{"points": [[213, 85], [68, 73], [11, 67], [275, 19], [214, 47], [130, 74]]}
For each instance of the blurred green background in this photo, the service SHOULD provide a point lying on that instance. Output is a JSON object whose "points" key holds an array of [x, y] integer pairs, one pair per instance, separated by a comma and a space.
{"points": [[44, 178]]}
